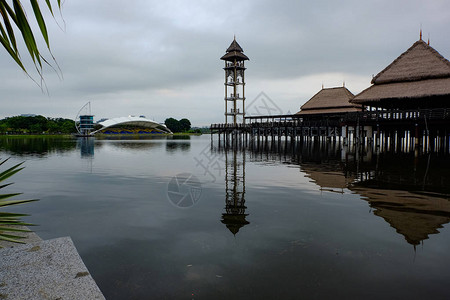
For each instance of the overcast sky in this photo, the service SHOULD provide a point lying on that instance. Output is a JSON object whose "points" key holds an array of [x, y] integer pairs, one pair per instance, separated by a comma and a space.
{"points": [[162, 58]]}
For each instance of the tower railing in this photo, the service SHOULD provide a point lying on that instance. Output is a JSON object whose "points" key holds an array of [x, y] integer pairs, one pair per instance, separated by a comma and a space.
{"points": [[237, 64]]}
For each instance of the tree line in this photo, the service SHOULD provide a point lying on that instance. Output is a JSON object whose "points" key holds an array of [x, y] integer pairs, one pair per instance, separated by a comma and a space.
{"points": [[36, 125]]}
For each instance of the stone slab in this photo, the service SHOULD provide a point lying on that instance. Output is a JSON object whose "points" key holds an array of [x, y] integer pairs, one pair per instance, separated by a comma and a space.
{"points": [[50, 269]]}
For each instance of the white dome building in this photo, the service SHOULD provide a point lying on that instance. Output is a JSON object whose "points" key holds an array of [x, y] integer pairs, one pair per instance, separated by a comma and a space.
{"points": [[131, 125]]}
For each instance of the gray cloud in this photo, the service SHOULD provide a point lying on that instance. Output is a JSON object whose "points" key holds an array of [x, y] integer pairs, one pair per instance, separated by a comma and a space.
{"points": [[162, 58]]}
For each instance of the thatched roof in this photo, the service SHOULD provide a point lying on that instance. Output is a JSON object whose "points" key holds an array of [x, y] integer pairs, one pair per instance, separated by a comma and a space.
{"points": [[419, 72], [405, 90], [329, 100], [234, 51], [419, 62]]}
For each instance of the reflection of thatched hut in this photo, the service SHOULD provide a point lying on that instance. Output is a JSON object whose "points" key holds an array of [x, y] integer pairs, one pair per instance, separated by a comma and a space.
{"points": [[419, 78], [327, 177], [330, 101], [413, 215]]}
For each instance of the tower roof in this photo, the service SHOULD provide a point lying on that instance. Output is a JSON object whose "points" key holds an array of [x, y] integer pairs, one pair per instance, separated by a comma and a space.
{"points": [[234, 46], [234, 51]]}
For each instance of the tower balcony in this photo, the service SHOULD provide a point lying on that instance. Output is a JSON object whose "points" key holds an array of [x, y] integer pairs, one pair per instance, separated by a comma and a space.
{"points": [[233, 83], [234, 112], [233, 97], [232, 65]]}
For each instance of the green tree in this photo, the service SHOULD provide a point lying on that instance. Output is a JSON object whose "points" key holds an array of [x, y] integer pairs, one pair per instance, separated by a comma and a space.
{"points": [[37, 124], [3, 127], [173, 125], [36, 128], [66, 126], [185, 125], [13, 16], [52, 126]]}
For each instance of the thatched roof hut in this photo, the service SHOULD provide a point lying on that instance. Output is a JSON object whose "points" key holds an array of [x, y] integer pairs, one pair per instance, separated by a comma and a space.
{"points": [[419, 78], [330, 101]]}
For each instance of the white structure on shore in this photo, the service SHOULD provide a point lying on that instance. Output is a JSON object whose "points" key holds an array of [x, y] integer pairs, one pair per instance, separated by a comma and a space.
{"points": [[139, 122]]}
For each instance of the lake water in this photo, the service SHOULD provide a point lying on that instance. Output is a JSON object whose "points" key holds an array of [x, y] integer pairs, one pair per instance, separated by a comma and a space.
{"points": [[179, 218]]}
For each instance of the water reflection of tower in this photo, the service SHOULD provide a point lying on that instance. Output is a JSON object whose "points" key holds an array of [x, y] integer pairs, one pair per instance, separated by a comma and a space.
{"points": [[235, 215], [86, 147]]}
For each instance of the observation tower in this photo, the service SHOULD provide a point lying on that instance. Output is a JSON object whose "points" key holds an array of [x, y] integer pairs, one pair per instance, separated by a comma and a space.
{"points": [[234, 83]]}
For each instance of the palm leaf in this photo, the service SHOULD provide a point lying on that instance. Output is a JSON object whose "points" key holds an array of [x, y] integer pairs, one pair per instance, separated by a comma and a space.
{"points": [[14, 222], [40, 21], [12, 229], [27, 33], [5, 185], [4, 196], [10, 172], [6, 11], [15, 202], [11, 238], [16, 15], [8, 220], [5, 215]]}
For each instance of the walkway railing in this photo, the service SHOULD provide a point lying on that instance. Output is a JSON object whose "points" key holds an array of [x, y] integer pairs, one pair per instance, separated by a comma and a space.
{"points": [[386, 115], [369, 118]]}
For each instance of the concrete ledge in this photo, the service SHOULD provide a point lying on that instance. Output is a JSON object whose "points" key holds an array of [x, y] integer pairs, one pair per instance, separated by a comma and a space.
{"points": [[50, 269]]}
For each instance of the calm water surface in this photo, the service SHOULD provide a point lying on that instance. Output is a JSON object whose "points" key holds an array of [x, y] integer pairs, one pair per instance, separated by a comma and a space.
{"points": [[178, 219]]}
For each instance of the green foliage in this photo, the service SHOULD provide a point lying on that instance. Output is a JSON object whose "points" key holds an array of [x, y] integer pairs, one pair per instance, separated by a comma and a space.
{"points": [[9, 221], [36, 125], [196, 131], [15, 17], [185, 125], [174, 125]]}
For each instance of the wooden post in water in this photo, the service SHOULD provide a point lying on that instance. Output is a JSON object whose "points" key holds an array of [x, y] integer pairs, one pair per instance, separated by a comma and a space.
{"points": [[416, 138], [432, 141]]}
